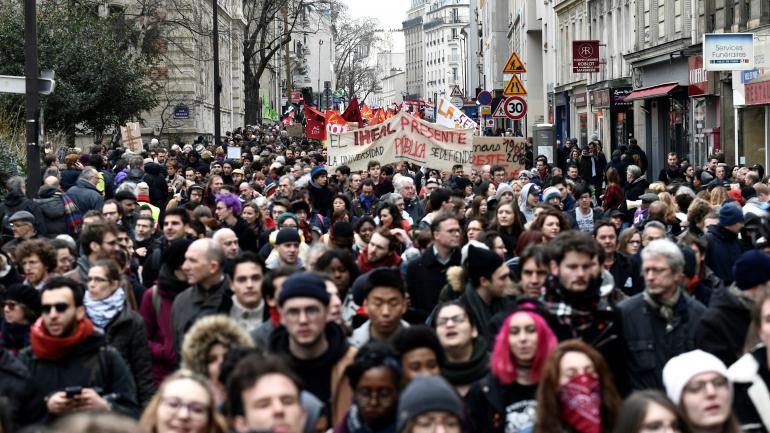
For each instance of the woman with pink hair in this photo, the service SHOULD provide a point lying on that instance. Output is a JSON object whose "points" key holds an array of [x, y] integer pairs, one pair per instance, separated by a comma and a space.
{"points": [[504, 401]]}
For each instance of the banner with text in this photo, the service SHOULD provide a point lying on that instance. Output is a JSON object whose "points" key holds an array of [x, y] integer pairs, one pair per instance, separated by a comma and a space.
{"points": [[403, 138], [509, 152], [452, 116]]}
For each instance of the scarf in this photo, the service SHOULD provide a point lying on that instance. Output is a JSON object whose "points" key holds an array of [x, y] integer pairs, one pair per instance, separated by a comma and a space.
{"points": [[15, 336], [665, 307], [464, 373], [365, 201], [574, 311], [102, 311], [581, 404], [52, 348], [355, 424]]}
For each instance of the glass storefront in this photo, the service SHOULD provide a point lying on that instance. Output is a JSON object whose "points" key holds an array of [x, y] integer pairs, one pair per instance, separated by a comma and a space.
{"points": [[753, 135]]}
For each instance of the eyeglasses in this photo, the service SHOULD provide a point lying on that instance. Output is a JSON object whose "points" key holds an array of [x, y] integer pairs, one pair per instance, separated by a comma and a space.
{"points": [[443, 321], [311, 312], [700, 385], [11, 305], [59, 306], [195, 409], [380, 394]]}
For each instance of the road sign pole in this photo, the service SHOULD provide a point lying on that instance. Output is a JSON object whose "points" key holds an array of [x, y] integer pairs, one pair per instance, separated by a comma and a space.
{"points": [[32, 98]]}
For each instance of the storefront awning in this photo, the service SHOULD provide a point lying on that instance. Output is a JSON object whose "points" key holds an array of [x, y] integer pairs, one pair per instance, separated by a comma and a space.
{"points": [[652, 92]]}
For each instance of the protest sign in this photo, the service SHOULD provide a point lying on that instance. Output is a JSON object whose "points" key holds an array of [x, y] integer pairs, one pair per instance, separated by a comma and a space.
{"points": [[295, 131], [402, 138], [131, 134], [508, 152], [451, 116]]}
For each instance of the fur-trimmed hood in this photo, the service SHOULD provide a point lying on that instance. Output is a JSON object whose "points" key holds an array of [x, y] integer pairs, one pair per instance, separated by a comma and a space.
{"points": [[204, 333], [455, 277]]}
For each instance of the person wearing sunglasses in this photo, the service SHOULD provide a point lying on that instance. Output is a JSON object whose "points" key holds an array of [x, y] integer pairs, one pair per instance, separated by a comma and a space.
{"points": [[20, 309], [72, 367]]}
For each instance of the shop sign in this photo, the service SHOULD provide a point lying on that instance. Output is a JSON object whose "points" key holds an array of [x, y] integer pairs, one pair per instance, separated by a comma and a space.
{"points": [[728, 51], [585, 56], [617, 100], [600, 98], [758, 93], [700, 80], [580, 99]]}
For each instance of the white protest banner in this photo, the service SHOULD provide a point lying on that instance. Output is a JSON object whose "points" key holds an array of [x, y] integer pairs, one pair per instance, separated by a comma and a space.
{"points": [[451, 116], [403, 137], [508, 152]]}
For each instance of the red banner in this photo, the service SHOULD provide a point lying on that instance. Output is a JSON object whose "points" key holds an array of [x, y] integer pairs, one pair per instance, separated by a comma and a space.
{"points": [[315, 124], [758, 93]]}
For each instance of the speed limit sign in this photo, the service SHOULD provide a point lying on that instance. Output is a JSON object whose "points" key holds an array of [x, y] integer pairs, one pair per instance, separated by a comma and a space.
{"points": [[515, 107]]}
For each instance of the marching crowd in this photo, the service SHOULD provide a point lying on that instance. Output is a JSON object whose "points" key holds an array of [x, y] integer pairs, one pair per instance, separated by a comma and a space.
{"points": [[176, 289]]}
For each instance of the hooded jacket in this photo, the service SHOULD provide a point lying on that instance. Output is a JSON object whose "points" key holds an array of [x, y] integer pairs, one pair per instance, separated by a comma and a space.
{"points": [[49, 200], [528, 213], [205, 333], [723, 250], [86, 196], [751, 379], [324, 376], [157, 183]]}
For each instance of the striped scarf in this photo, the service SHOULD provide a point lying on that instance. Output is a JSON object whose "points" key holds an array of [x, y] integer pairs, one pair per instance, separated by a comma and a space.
{"points": [[73, 218]]}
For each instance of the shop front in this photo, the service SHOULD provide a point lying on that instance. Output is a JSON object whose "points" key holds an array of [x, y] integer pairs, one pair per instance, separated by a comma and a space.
{"points": [[706, 107], [754, 126], [561, 116], [580, 108], [612, 115]]}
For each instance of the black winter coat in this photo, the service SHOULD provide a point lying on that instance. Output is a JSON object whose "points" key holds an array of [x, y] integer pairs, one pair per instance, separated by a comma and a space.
{"points": [[127, 333], [497, 408], [195, 303], [13, 383], [648, 344], [90, 364], [15, 202], [425, 277], [724, 326], [51, 204], [723, 250], [635, 189], [153, 176]]}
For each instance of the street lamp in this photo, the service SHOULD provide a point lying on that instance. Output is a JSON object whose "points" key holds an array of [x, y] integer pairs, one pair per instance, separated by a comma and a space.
{"points": [[320, 43]]}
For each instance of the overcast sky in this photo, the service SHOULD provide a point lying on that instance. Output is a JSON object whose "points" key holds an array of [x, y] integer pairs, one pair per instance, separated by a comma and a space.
{"points": [[389, 13]]}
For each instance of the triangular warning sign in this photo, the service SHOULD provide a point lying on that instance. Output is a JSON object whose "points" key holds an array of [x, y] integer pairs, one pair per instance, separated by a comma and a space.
{"points": [[500, 110], [514, 65], [514, 87], [456, 91]]}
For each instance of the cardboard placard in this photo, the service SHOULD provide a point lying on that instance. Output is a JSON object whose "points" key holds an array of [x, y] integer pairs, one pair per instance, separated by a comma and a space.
{"points": [[295, 131], [131, 135], [510, 152]]}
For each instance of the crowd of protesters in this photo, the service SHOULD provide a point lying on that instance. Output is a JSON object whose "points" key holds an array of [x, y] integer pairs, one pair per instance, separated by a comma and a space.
{"points": [[178, 290]]}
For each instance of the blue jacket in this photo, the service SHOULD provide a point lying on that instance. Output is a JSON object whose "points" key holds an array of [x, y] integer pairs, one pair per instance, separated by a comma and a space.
{"points": [[86, 196]]}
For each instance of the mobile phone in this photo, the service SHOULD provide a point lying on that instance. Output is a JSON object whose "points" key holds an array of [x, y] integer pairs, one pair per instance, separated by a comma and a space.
{"points": [[72, 391]]}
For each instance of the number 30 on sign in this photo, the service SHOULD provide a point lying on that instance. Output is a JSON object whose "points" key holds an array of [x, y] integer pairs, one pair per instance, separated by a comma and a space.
{"points": [[515, 107]]}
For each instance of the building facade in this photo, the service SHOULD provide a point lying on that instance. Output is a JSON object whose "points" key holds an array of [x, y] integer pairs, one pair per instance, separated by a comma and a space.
{"points": [[414, 40], [443, 25]]}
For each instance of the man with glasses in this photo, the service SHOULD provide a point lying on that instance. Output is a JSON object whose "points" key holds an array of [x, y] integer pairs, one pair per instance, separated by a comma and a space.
{"points": [[98, 241], [426, 275], [72, 368], [316, 349], [498, 174], [659, 323], [23, 228]]}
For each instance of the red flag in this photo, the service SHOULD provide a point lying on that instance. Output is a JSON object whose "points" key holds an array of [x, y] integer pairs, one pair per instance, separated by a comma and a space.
{"points": [[335, 124], [378, 117], [353, 112], [315, 124], [366, 112]]}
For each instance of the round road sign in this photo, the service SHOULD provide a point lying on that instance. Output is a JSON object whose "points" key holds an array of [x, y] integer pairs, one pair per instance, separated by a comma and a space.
{"points": [[515, 107], [457, 101], [484, 98]]}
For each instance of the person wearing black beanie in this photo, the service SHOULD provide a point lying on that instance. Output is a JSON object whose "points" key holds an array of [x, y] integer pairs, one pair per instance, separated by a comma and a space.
{"points": [[488, 278], [21, 309]]}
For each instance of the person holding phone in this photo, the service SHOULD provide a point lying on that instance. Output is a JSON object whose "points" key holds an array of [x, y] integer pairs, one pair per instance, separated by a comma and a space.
{"points": [[72, 366]]}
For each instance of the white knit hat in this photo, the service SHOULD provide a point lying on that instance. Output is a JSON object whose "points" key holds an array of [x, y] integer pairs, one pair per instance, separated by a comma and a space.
{"points": [[680, 369]]}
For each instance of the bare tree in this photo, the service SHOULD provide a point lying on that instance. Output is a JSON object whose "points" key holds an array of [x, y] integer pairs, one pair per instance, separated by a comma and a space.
{"points": [[354, 39]]}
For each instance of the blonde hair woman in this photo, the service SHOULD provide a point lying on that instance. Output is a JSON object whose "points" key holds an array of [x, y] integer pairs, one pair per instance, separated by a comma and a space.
{"points": [[184, 400]]}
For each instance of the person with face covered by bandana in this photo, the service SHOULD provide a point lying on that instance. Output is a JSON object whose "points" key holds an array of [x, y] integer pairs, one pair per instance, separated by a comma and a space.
{"points": [[576, 392]]}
